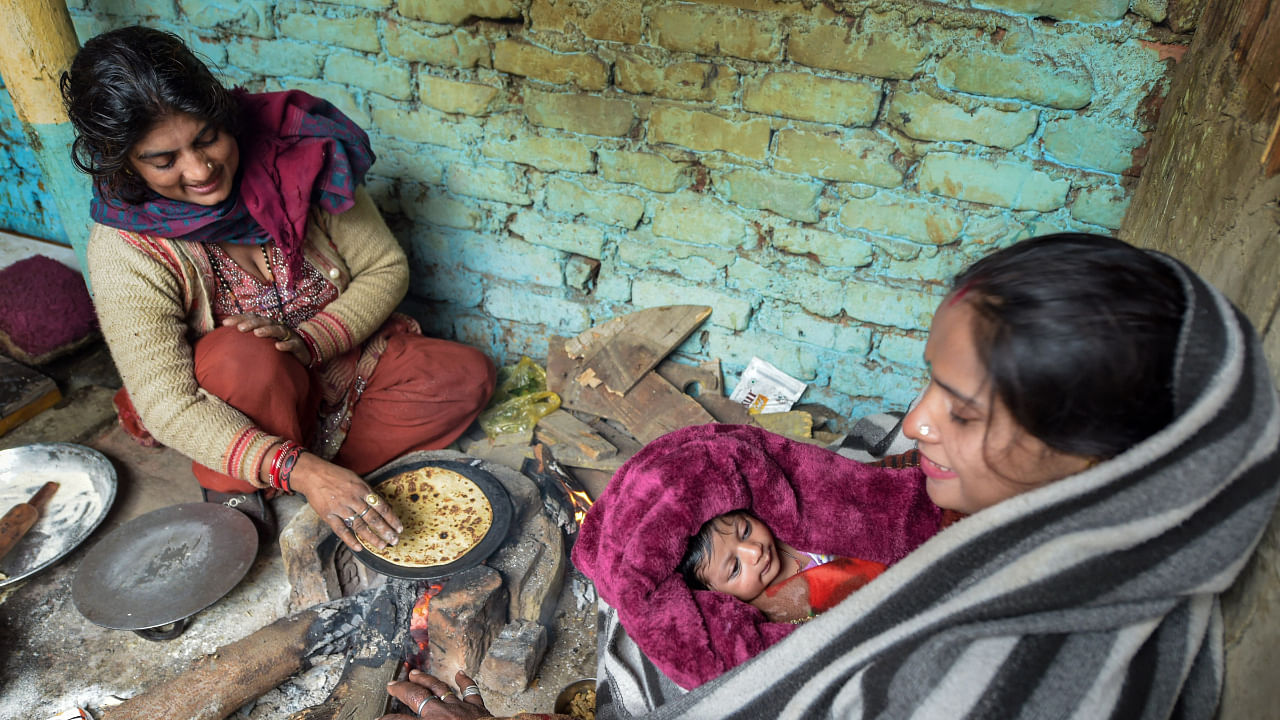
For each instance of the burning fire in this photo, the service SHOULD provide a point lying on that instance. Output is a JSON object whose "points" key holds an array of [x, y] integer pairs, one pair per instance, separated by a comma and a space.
{"points": [[418, 627], [581, 503]]}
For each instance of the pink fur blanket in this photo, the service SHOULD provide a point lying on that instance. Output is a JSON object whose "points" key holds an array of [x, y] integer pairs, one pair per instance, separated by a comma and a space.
{"points": [[813, 499]]}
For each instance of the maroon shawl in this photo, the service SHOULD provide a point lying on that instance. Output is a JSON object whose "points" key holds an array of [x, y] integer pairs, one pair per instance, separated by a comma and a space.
{"points": [[811, 498]]}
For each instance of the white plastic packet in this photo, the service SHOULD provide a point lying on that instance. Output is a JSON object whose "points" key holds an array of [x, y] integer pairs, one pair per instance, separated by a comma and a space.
{"points": [[73, 714], [764, 388]]}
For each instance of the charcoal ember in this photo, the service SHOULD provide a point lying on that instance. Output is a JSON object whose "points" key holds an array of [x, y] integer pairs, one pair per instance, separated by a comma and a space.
{"points": [[514, 657], [464, 618]]}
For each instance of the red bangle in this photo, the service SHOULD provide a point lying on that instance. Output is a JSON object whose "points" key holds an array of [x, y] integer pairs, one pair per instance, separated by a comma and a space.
{"points": [[282, 465]]}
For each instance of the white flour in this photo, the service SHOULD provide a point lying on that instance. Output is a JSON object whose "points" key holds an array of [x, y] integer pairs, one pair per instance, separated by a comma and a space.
{"points": [[64, 521]]}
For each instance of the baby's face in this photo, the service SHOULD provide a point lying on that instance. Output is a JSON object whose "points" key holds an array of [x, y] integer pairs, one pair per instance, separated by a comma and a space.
{"points": [[744, 558]]}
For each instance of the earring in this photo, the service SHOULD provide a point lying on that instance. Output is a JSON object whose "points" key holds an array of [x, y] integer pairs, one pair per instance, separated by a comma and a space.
{"points": [[924, 430], [208, 164]]}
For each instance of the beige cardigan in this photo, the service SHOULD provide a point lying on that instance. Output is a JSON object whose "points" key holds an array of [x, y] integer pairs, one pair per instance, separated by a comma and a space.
{"points": [[153, 301]]}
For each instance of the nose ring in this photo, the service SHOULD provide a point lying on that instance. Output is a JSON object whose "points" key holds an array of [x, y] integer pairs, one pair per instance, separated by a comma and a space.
{"points": [[924, 430], [208, 164]]}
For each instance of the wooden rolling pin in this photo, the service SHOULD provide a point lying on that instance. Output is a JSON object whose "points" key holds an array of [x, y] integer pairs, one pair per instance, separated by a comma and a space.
{"points": [[22, 516]]}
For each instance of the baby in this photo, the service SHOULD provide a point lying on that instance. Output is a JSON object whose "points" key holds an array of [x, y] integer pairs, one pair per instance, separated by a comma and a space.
{"points": [[736, 553]]}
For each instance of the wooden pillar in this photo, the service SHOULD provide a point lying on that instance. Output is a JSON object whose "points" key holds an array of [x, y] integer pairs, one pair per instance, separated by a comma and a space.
{"points": [[1208, 197], [37, 43]]}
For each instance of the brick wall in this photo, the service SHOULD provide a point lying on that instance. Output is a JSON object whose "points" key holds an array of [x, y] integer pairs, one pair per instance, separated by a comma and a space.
{"points": [[26, 206], [813, 171]]}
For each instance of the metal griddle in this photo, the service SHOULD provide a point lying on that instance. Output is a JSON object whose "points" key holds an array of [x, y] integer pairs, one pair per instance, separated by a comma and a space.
{"points": [[493, 491], [154, 573]]}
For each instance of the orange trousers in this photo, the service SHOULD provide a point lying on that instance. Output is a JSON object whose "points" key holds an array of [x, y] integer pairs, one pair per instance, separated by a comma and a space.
{"points": [[422, 395]]}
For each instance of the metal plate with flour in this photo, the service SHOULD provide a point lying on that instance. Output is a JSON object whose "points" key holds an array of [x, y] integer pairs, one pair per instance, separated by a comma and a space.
{"points": [[87, 487]]}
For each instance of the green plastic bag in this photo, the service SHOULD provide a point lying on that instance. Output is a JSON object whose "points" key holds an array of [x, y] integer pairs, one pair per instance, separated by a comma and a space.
{"points": [[520, 400]]}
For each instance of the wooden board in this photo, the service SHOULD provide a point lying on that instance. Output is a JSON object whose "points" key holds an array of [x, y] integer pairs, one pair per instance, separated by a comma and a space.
{"points": [[24, 393], [654, 407], [560, 429], [620, 352], [707, 381]]}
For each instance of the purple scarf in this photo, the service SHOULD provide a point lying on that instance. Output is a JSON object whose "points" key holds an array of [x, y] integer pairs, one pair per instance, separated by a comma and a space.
{"points": [[295, 150]]}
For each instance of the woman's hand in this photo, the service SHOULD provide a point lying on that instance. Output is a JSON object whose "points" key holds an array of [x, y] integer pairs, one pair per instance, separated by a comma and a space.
{"points": [[344, 501], [286, 339], [433, 699]]}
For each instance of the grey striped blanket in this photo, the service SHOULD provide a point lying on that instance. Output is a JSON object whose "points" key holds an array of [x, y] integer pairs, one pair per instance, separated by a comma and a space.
{"points": [[1093, 597]]}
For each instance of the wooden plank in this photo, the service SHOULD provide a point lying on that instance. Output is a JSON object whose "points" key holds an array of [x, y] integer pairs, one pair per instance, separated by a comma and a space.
{"points": [[562, 429], [24, 393], [621, 351], [653, 408], [705, 384]]}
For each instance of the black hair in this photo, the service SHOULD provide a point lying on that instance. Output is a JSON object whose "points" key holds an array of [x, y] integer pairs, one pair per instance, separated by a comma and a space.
{"points": [[699, 550], [120, 84], [1079, 335]]}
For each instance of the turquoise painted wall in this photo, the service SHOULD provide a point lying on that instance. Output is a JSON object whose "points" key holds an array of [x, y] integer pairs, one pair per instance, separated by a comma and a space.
{"points": [[26, 206], [814, 172]]}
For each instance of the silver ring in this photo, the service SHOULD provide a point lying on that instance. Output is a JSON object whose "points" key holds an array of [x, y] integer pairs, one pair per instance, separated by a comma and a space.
{"points": [[367, 509], [348, 520], [423, 704], [470, 690]]}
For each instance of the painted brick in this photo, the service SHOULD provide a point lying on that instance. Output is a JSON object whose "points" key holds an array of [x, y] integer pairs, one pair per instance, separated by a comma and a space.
{"points": [[1086, 142], [889, 385], [793, 323], [1154, 10], [408, 161], [274, 57], [510, 258], [570, 237], [425, 125], [907, 309], [612, 286], [159, 9], [479, 330], [603, 204], [1077, 10], [545, 153], [520, 305], [646, 251], [580, 272], [435, 246], [792, 198], [614, 20], [748, 137], [919, 221], [488, 183], [386, 78], [1004, 184], [895, 55], [214, 52], [456, 12], [699, 219], [459, 49], [902, 349], [855, 156], [523, 341], [932, 266], [587, 114], [647, 170], [818, 295], [339, 96], [370, 4], [928, 118], [727, 311], [998, 75], [453, 96], [679, 81], [451, 284], [735, 351], [830, 249], [440, 209], [359, 32], [716, 31], [1103, 206], [809, 97], [587, 72], [385, 194]]}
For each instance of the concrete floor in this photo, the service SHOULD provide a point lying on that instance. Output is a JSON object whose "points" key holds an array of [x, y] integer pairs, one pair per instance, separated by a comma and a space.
{"points": [[52, 659]]}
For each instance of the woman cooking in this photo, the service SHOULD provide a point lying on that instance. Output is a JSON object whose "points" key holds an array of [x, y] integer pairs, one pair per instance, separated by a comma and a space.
{"points": [[245, 284]]}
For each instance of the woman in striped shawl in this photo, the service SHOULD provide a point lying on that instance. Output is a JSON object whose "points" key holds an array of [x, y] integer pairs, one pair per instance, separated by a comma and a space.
{"points": [[1109, 424]]}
